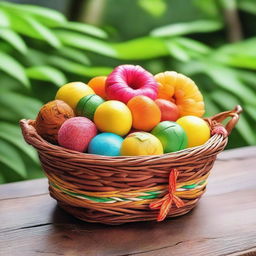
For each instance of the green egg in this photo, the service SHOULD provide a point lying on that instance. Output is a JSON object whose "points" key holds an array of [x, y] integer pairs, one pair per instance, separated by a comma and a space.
{"points": [[171, 135], [87, 105]]}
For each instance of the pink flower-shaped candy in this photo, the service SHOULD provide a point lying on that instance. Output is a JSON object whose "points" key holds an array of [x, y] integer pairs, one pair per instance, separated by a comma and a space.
{"points": [[128, 81]]}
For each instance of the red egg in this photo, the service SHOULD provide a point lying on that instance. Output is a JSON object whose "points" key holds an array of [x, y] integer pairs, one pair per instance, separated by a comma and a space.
{"points": [[76, 133], [169, 111]]}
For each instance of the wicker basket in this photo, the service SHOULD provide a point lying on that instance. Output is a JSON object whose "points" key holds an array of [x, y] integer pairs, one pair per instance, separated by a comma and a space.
{"points": [[115, 190]]}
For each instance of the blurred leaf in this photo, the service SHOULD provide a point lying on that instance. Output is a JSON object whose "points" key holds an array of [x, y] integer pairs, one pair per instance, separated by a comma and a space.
{"points": [[208, 6], [247, 5], [193, 45], [29, 26], [237, 60], [24, 107], [247, 77], [47, 73], [228, 102], [85, 28], [224, 99], [2, 179], [8, 64], [246, 131], [240, 54], [6, 47], [224, 77], [36, 57], [74, 54], [85, 43], [198, 26], [245, 47], [8, 83], [243, 61], [228, 5], [141, 49], [4, 20], [72, 67], [34, 170], [10, 157], [154, 7], [192, 67], [14, 39], [177, 51], [251, 110], [155, 66], [227, 78], [12, 133], [211, 108], [47, 16]]}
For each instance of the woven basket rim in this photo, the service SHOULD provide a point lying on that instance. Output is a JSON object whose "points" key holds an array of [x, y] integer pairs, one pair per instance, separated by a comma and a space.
{"points": [[71, 152], [32, 137]]}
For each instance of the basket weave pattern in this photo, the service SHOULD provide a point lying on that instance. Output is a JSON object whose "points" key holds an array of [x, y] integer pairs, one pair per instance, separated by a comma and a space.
{"points": [[115, 190]]}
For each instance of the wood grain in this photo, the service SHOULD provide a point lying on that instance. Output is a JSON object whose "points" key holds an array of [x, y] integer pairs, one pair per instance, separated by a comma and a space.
{"points": [[224, 223]]}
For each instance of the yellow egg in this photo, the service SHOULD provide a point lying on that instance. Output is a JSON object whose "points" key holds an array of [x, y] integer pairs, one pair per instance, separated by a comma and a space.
{"points": [[113, 116], [141, 144], [197, 130], [71, 93]]}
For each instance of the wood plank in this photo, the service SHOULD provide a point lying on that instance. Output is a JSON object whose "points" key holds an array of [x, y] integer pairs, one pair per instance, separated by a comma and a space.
{"points": [[245, 152], [24, 189], [229, 176], [215, 227], [223, 223]]}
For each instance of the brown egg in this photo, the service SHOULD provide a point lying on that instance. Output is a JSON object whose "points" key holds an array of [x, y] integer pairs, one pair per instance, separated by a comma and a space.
{"points": [[50, 118]]}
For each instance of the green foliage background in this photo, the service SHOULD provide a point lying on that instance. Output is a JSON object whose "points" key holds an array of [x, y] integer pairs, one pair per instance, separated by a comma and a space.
{"points": [[41, 50]]}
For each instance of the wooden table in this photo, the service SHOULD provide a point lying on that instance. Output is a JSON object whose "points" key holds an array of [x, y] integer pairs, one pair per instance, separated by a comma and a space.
{"points": [[224, 222]]}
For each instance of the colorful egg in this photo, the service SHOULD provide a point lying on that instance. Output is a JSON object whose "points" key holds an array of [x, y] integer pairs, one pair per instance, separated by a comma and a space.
{"points": [[107, 144], [50, 118], [98, 84], [169, 111], [76, 133], [197, 130], [113, 116], [145, 113], [71, 93], [141, 144], [88, 105], [171, 135], [128, 81]]}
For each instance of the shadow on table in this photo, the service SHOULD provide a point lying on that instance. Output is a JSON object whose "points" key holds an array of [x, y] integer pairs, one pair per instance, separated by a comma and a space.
{"points": [[73, 235]]}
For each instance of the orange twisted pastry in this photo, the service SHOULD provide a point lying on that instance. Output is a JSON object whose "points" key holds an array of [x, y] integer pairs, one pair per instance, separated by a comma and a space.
{"points": [[181, 90]]}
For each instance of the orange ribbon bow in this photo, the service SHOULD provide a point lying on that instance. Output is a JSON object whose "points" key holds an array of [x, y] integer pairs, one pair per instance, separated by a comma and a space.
{"points": [[165, 203]]}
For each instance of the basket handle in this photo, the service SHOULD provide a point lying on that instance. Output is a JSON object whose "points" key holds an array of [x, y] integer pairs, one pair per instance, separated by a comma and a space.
{"points": [[234, 114], [29, 131]]}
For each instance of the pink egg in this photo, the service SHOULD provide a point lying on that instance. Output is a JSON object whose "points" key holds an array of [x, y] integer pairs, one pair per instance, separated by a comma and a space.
{"points": [[128, 81], [76, 133]]}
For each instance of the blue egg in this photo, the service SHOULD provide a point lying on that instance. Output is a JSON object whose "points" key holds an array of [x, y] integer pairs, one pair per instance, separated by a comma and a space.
{"points": [[107, 144]]}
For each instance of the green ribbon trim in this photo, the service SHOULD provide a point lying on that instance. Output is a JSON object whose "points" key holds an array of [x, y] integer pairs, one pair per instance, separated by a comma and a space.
{"points": [[193, 185], [150, 195]]}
